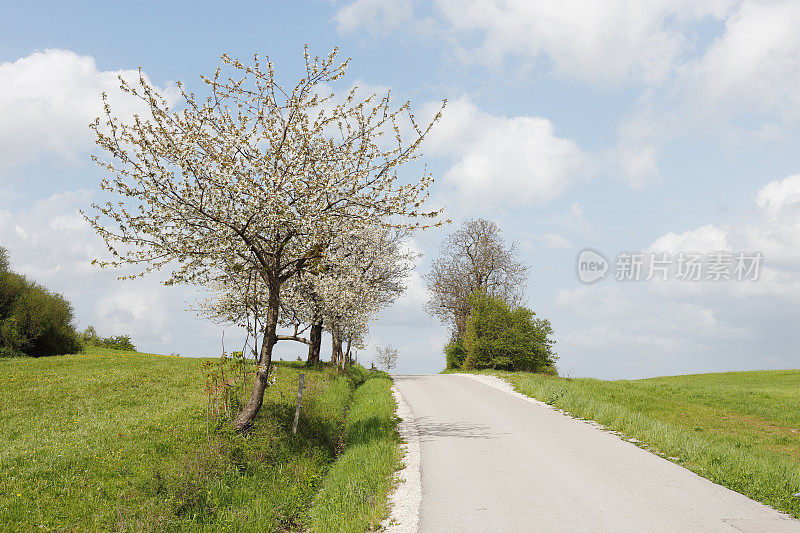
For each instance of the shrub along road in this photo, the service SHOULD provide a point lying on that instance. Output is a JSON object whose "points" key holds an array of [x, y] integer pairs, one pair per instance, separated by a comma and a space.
{"points": [[494, 462]]}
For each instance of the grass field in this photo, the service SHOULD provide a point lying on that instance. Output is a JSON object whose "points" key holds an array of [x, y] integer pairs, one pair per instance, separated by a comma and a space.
{"points": [[109, 440], [739, 429]]}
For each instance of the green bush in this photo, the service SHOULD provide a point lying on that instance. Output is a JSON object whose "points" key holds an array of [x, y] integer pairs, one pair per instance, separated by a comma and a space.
{"points": [[455, 354], [118, 342], [499, 337], [89, 337], [33, 320]]}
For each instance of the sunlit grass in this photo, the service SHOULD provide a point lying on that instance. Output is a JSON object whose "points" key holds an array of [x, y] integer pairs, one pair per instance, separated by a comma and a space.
{"points": [[78, 432], [354, 494], [111, 440]]}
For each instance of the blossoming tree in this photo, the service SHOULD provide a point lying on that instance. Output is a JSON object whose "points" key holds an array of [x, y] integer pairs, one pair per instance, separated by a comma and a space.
{"points": [[369, 273], [255, 178], [362, 273]]}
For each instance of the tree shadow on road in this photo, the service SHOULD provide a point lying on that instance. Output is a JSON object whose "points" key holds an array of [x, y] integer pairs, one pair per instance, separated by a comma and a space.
{"points": [[428, 429]]}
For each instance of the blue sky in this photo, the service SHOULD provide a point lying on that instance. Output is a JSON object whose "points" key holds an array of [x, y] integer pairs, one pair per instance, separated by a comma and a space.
{"points": [[664, 126]]}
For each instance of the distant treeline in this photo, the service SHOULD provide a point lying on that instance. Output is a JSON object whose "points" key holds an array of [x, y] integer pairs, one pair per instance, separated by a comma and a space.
{"points": [[89, 337], [37, 322]]}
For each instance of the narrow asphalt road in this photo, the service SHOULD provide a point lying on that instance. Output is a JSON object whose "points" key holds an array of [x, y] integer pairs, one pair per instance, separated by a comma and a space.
{"points": [[494, 462]]}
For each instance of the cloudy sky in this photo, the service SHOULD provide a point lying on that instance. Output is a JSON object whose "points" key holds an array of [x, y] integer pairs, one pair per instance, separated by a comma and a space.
{"points": [[665, 126]]}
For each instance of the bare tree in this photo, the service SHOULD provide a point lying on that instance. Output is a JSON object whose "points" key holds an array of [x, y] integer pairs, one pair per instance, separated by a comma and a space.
{"points": [[255, 178], [386, 357], [473, 258]]}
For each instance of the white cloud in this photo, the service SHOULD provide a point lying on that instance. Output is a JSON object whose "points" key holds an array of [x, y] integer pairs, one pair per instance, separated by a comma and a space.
{"points": [[642, 329], [777, 232], [752, 68], [554, 241], [415, 294], [638, 329], [135, 311], [50, 238], [777, 197], [705, 239], [501, 161], [598, 42], [629, 330], [754, 61], [8, 197], [47, 101], [724, 68], [374, 15], [740, 89], [623, 305], [635, 157], [637, 164], [574, 220]]}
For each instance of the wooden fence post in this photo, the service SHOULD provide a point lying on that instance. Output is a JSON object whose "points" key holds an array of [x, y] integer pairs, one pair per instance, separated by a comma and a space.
{"points": [[297, 411]]}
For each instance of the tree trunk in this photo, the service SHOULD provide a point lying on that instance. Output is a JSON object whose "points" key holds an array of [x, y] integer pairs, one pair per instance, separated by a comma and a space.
{"points": [[336, 346], [245, 418], [315, 343], [461, 323], [346, 359]]}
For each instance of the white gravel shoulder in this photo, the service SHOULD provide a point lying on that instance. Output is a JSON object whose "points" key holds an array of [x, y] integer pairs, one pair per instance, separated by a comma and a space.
{"points": [[503, 385], [407, 495]]}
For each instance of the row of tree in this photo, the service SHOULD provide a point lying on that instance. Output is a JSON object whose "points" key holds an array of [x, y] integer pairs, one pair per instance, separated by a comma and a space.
{"points": [[362, 274], [285, 202], [476, 286]]}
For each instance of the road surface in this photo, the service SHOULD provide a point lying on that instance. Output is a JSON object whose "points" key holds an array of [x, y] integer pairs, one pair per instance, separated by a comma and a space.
{"points": [[491, 461]]}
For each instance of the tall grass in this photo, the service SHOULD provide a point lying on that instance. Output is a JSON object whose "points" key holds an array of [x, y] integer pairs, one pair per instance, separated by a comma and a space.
{"points": [[738, 429], [354, 494]]}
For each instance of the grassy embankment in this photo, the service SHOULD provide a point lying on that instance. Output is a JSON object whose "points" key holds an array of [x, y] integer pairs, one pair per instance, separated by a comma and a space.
{"points": [[738, 429], [110, 440], [354, 494]]}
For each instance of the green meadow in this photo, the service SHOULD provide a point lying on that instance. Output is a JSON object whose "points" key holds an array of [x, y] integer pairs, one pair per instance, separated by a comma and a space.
{"points": [[113, 440]]}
